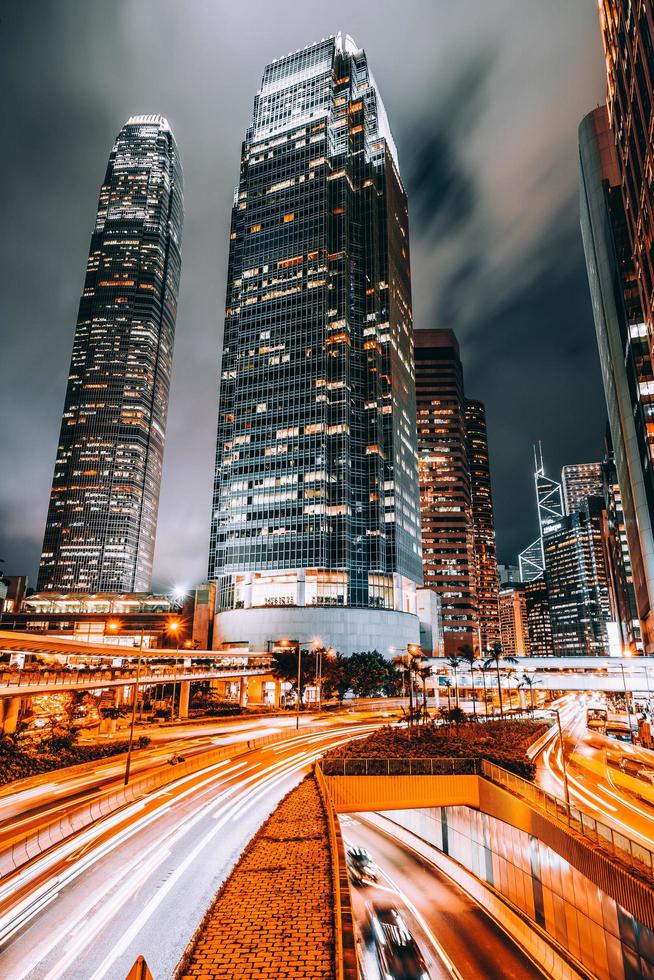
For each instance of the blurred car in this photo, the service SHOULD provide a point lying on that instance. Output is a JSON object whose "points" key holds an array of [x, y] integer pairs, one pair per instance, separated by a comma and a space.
{"points": [[398, 954], [361, 867]]}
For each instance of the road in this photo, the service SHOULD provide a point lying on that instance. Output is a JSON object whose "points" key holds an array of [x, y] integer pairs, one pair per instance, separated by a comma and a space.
{"points": [[139, 881], [591, 780], [457, 938], [33, 802]]}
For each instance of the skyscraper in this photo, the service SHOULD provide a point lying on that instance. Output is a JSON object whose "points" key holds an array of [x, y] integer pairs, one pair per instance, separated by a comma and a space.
{"points": [[483, 523], [446, 504], [549, 500], [102, 518], [539, 627], [514, 636], [576, 584], [622, 338], [624, 610], [316, 498], [580, 481]]}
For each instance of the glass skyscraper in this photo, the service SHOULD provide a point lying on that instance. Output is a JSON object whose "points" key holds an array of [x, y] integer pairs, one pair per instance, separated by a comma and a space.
{"points": [[101, 524], [316, 493]]}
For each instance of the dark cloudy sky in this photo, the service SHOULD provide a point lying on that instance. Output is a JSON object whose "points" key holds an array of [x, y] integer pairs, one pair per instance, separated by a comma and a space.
{"points": [[484, 99]]}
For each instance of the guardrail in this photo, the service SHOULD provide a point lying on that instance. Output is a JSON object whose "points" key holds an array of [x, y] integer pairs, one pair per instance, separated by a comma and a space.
{"points": [[600, 834], [402, 767], [15, 682], [345, 953]]}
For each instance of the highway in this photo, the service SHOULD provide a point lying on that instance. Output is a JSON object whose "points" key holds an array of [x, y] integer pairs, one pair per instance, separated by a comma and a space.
{"points": [[457, 938], [140, 880], [591, 781]]}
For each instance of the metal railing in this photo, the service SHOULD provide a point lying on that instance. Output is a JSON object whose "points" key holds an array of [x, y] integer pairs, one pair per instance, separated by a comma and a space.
{"points": [[401, 767], [600, 834], [94, 678]]}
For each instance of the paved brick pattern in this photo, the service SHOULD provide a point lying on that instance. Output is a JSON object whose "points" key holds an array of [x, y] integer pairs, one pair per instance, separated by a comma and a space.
{"points": [[273, 917]]}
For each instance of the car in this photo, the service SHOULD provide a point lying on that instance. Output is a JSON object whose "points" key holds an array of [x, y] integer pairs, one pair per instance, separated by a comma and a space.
{"points": [[361, 867], [398, 954]]}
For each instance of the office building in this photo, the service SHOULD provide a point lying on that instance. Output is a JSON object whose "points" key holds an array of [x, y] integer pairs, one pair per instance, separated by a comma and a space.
{"points": [[445, 489], [483, 524], [624, 610], [549, 502], [576, 584], [539, 627], [508, 574], [315, 529], [580, 481], [623, 348], [102, 518], [513, 621]]}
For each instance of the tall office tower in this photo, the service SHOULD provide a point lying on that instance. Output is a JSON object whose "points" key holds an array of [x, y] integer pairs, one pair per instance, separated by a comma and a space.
{"points": [[514, 635], [579, 481], [624, 611], [316, 528], [445, 491], [483, 524], [539, 627], [628, 38], [622, 337], [102, 518], [576, 584], [549, 501]]}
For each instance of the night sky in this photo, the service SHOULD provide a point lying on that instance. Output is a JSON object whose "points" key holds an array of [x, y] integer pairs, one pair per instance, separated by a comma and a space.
{"points": [[484, 98]]}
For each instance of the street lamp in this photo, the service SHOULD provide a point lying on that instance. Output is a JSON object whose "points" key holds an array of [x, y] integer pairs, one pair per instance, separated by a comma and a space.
{"points": [[128, 761], [626, 701], [173, 626], [290, 644], [563, 763]]}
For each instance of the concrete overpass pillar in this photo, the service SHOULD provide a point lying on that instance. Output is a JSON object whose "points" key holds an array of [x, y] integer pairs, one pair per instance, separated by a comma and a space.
{"points": [[184, 698], [277, 697], [10, 714], [255, 690], [243, 694]]}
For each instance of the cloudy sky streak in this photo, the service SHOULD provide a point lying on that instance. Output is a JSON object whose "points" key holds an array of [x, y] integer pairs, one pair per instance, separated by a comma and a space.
{"points": [[484, 99]]}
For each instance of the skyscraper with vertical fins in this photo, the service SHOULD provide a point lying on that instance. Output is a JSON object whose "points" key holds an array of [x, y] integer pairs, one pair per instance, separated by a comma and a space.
{"points": [[315, 528], [102, 518]]}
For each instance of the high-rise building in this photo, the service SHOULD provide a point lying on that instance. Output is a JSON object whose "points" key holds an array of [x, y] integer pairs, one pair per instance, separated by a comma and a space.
{"points": [[576, 583], [539, 627], [622, 337], [445, 490], [580, 481], [315, 528], [628, 38], [483, 523], [508, 574], [102, 519], [549, 501], [624, 611], [513, 621]]}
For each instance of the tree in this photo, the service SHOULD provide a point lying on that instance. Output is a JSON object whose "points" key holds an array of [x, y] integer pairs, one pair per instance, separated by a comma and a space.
{"points": [[510, 675], [370, 674], [335, 679], [285, 664], [424, 672], [528, 680], [494, 660], [447, 684], [454, 664], [467, 656]]}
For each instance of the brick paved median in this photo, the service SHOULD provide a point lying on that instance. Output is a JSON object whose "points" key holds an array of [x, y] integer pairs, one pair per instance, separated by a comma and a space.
{"points": [[273, 917]]}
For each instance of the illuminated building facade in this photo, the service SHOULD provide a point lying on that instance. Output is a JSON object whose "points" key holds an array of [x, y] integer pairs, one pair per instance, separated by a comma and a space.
{"points": [[549, 500], [513, 621], [539, 627], [102, 518], [576, 583], [445, 487], [624, 348], [624, 610], [580, 481], [315, 527], [485, 547]]}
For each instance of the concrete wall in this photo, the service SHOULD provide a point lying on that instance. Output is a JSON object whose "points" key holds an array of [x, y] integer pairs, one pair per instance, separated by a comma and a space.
{"points": [[346, 630], [592, 926]]}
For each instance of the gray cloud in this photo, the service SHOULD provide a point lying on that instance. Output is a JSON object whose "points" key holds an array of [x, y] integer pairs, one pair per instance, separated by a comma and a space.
{"points": [[484, 97]]}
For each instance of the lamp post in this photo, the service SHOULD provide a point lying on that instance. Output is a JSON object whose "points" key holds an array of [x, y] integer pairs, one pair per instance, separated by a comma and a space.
{"points": [[128, 761], [626, 701], [173, 626], [292, 643], [563, 763]]}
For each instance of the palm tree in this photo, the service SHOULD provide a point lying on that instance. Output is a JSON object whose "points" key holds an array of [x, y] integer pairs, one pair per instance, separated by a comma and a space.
{"points": [[510, 675], [467, 655], [423, 672], [454, 664], [493, 660], [447, 684], [528, 680]]}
